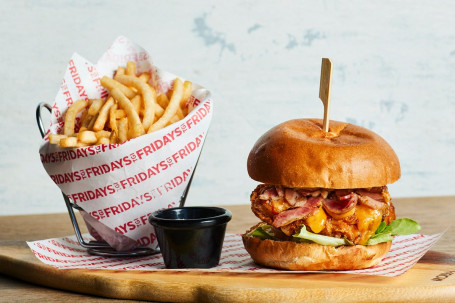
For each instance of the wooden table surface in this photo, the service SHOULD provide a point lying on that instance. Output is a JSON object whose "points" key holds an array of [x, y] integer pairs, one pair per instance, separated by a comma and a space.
{"points": [[434, 214]]}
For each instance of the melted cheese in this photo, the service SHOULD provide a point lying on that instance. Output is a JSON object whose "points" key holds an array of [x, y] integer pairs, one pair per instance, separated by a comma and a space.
{"points": [[317, 221], [369, 220]]}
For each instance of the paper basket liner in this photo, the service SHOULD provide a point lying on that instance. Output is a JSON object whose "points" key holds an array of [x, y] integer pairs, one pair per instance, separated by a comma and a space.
{"points": [[120, 185], [66, 253]]}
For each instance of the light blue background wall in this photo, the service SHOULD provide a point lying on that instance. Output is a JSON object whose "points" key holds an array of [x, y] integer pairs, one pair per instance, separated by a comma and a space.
{"points": [[394, 72]]}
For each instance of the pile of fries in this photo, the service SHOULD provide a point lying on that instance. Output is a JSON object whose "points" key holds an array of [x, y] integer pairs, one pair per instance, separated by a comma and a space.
{"points": [[131, 109]]}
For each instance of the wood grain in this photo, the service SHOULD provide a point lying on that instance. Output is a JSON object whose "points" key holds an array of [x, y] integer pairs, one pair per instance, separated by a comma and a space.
{"points": [[432, 279]]}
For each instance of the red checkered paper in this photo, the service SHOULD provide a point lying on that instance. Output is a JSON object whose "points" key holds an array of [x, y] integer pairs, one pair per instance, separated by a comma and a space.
{"points": [[66, 253], [119, 185]]}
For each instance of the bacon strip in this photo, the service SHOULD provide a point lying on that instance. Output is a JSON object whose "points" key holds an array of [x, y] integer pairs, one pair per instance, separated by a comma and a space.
{"points": [[294, 198], [371, 203], [373, 194], [308, 209], [280, 191], [373, 197], [341, 206], [268, 193], [309, 192], [343, 193]]}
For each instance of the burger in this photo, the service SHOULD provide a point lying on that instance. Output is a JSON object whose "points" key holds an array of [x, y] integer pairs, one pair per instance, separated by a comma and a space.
{"points": [[323, 198]]}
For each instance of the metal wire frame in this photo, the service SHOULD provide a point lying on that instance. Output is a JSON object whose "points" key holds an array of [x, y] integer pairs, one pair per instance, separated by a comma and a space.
{"points": [[97, 247]]}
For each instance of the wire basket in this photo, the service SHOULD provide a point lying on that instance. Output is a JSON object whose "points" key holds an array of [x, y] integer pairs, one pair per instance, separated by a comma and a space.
{"points": [[101, 248]]}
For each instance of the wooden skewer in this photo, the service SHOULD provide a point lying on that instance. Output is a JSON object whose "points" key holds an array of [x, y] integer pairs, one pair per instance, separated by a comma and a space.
{"points": [[324, 89]]}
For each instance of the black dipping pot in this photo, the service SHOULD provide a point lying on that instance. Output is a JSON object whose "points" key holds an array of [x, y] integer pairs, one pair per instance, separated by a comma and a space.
{"points": [[190, 237]]}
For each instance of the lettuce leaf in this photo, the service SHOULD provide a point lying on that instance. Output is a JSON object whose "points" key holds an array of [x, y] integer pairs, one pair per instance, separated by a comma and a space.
{"points": [[379, 238], [320, 239], [404, 226], [381, 228], [262, 232], [385, 232]]}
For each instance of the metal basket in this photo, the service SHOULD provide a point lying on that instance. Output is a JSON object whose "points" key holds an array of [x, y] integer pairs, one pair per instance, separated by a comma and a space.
{"points": [[102, 248]]}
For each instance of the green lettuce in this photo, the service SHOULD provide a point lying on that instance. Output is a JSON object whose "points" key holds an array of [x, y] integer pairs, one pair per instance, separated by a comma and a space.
{"points": [[263, 232], [385, 233], [320, 239]]}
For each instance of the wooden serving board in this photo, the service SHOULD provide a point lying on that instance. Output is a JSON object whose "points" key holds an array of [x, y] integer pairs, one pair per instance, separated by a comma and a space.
{"points": [[431, 279]]}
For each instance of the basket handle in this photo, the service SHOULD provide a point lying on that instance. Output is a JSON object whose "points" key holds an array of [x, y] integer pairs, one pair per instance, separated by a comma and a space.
{"points": [[39, 121]]}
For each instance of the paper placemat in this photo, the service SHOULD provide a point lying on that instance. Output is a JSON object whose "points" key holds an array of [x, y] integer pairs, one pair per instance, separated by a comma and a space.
{"points": [[66, 253]]}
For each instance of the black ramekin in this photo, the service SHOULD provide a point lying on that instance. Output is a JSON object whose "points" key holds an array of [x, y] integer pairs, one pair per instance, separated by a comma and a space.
{"points": [[190, 237]]}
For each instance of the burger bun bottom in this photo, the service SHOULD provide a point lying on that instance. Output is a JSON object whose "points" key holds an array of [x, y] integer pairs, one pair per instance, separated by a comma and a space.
{"points": [[311, 256]]}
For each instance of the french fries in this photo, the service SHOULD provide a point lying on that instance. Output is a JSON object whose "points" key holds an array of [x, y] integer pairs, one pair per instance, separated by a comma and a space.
{"points": [[70, 117], [87, 136], [110, 84], [95, 107], [123, 130], [171, 109], [131, 109], [102, 115], [145, 77], [68, 142], [55, 139], [135, 125], [148, 96], [131, 68]]}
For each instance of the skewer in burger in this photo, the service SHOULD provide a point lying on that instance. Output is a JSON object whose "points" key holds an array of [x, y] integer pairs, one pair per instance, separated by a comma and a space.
{"points": [[323, 201]]}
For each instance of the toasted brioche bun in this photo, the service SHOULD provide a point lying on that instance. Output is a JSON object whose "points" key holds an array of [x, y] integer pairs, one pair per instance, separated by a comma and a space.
{"points": [[298, 153], [311, 256]]}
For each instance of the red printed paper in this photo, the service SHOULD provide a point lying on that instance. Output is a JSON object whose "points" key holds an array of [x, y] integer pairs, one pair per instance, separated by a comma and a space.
{"points": [[119, 185], [66, 253]]}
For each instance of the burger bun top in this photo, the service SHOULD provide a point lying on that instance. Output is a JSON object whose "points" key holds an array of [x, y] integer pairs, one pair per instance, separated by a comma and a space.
{"points": [[299, 153]]}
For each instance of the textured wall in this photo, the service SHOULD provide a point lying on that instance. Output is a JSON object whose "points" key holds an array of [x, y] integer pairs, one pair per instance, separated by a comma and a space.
{"points": [[394, 72]]}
